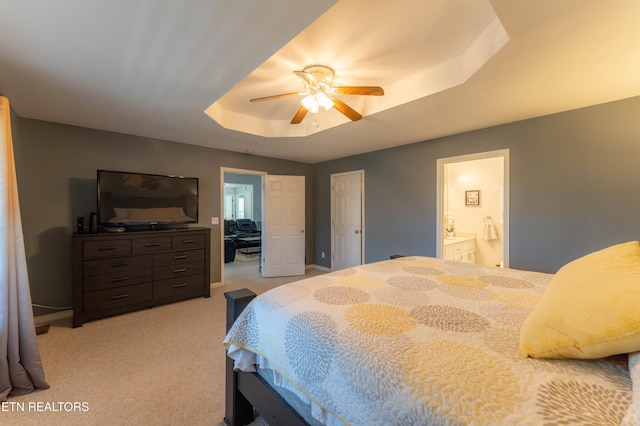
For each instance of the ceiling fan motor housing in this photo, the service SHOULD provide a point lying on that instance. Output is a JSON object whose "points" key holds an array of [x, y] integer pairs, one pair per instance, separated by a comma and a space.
{"points": [[323, 75]]}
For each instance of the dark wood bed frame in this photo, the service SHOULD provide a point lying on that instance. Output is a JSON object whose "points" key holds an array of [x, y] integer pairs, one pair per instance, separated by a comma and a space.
{"points": [[246, 392]]}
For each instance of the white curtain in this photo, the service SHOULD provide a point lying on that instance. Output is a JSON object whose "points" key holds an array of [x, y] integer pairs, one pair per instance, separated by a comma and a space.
{"points": [[20, 365]]}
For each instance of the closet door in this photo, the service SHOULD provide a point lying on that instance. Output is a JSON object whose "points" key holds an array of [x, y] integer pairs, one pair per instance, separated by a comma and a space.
{"points": [[346, 220]]}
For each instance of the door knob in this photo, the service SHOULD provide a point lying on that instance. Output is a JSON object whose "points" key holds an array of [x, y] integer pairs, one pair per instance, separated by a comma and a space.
{"points": [[302, 231], [357, 231]]}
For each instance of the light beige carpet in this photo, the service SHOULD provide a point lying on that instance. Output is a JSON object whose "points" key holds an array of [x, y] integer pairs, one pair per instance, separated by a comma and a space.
{"points": [[159, 366]]}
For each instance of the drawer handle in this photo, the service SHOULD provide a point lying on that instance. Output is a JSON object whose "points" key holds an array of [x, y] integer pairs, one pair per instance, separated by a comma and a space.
{"points": [[179, 270], [182, 256], [152, 244], [120, 296], [179, 285], [116, 264], [115, 280], [107, 248], [188, 241]]}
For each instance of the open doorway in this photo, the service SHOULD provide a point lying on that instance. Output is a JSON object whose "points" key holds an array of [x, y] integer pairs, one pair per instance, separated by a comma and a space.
{"points": [[473, 208], [241, 221]]}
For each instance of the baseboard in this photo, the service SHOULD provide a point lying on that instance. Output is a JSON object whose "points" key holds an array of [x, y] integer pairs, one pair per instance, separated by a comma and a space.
{"points": [[215, 285], [321, 268], [49, 318]]}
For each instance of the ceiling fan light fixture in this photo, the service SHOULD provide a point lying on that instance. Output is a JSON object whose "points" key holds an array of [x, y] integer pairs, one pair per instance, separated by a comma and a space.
{"points": [[319, 93], [314, 101]]}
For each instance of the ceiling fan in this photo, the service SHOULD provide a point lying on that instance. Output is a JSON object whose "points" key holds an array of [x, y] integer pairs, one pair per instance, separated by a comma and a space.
{"points": [[320, 93]]}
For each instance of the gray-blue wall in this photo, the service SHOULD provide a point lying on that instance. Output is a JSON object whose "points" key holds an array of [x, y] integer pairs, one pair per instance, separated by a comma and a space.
{"points": [[575, 187], [56, 171]]}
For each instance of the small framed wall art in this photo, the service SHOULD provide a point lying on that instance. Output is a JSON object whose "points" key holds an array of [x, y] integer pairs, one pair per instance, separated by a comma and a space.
{"points": [[472, 198]]}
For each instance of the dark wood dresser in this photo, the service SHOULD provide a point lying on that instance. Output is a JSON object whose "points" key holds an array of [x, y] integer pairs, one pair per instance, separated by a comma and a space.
{"points": [[114, 273]]}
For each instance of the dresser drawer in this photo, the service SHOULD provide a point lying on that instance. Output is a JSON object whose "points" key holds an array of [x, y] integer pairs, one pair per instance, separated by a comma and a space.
{"points": [[115, 265], [150, 245], [175, 271], [117, 297], [181, 242], [179, 288], [118, 273], [178, 257], [103, 248], [117, 279]]}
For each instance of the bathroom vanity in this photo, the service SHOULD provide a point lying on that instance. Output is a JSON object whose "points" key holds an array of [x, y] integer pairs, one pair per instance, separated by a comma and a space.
{"points": [[461, 248]]}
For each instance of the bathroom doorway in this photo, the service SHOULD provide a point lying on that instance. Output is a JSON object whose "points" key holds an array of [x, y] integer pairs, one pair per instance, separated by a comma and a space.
{"points": [[473, 208]]}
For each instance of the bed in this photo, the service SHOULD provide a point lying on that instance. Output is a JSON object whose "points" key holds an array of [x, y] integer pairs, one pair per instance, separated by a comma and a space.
{"points": [[418, 340]]}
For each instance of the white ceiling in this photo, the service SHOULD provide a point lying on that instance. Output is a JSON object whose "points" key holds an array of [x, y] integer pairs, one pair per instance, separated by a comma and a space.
{"points": [[152, 67]]}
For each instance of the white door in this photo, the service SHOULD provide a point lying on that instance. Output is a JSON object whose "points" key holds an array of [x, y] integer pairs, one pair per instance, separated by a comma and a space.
{"points": [[283, 229], [346, 219], [229, 212]]}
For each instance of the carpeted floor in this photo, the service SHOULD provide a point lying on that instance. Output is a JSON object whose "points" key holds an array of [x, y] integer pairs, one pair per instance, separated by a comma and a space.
{"points": [[160, 366]]}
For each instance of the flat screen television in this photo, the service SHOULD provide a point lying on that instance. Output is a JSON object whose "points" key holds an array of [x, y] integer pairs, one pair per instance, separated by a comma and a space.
{"points": [[134, 200]]}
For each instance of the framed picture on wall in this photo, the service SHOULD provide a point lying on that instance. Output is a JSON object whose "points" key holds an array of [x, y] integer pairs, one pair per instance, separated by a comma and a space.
{"points": [[472, 198]]}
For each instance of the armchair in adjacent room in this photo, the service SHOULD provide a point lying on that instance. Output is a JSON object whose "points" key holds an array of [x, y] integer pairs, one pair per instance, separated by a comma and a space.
{"points": [[248, 234], [230, 227], [247, 227]]}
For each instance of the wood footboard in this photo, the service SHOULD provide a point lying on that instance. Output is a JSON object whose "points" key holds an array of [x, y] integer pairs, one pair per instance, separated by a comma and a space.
{"points": [[248, 391]]}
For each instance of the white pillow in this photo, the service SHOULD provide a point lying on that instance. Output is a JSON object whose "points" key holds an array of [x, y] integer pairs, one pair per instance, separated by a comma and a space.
{"points": [[632, 418]]}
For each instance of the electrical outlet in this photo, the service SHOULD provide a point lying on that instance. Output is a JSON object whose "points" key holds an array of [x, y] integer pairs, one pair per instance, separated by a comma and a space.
{"points": [[322, 255], [214, 220]]}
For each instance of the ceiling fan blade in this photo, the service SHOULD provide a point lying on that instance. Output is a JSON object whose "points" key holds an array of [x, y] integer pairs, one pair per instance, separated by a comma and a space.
{"points": [[345, 109], [307, 77], [267, 98], [300, 114], [360, 90]]}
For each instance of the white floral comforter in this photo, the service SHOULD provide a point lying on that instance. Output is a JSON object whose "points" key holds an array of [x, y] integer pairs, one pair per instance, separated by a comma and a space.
{"points": [[417, 340]]}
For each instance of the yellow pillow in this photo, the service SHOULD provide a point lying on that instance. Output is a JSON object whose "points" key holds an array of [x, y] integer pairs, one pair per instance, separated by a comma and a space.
{"points": [[591, 308]]}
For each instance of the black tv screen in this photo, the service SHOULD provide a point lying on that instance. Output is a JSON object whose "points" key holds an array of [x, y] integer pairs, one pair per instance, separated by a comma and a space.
{"points": [[132, 199]]}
